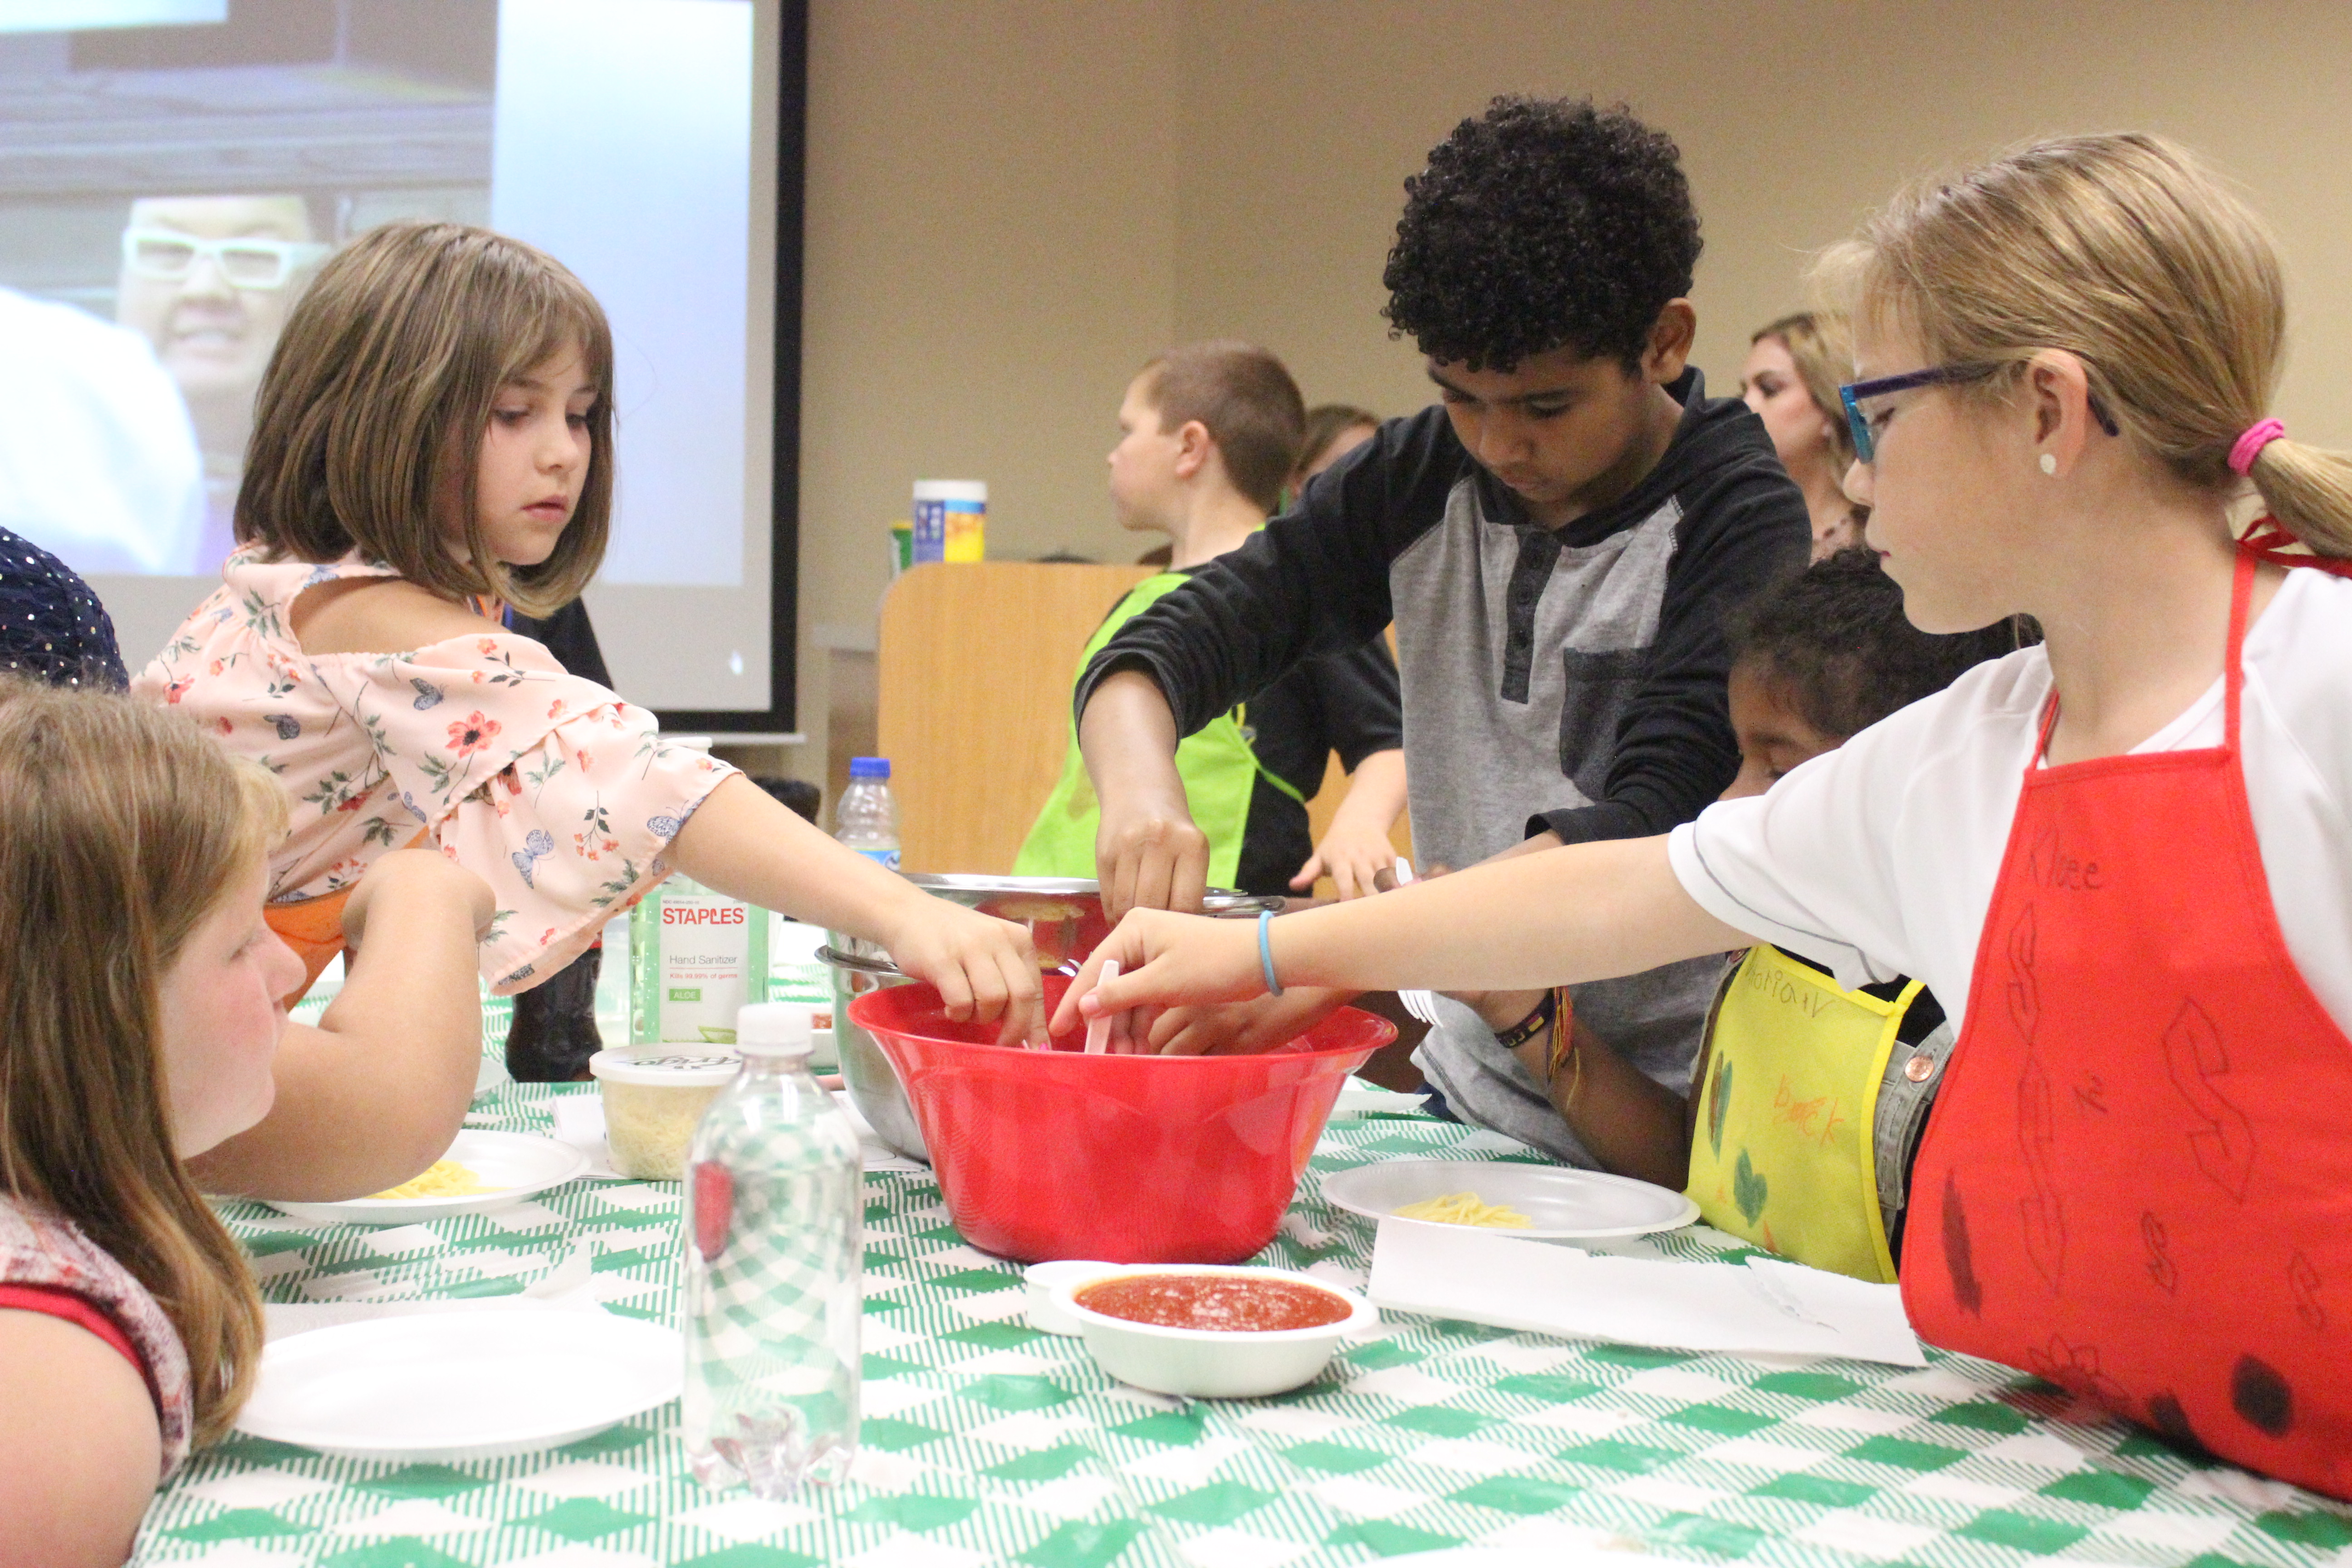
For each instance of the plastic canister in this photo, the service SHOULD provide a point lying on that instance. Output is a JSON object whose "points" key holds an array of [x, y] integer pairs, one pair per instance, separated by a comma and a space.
{"points": [[950, 519], [652, 1100]]}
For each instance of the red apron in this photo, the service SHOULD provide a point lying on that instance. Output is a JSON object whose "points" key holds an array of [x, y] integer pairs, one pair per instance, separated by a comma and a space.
{"points": [[2138, 1182]]}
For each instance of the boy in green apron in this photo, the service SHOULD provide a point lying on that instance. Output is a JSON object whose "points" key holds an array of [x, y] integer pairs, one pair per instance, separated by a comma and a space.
{"points": [[1809, 1098], [1208, 434]]}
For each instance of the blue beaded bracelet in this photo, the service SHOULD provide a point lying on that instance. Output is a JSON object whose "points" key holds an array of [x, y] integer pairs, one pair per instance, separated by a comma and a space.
{"points": [[1265, 953]]}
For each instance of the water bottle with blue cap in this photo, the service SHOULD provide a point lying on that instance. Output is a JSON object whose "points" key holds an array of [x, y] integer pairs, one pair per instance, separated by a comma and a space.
{"points": [[867, 820]]}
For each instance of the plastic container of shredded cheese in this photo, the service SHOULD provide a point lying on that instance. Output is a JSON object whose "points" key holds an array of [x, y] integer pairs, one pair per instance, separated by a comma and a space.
{"points": [[654, 1095]]}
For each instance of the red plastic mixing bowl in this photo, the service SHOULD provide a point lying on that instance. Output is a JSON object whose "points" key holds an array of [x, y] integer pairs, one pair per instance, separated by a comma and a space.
{"points": [[1127, 1159]]}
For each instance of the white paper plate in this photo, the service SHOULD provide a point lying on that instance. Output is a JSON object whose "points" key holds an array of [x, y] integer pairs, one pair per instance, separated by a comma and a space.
{"points": [[514, 1166], [1564, 1204], [467, 1385]]}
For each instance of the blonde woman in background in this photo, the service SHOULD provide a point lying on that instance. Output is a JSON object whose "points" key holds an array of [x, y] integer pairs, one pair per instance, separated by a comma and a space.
{"points": [[1790, 379]]}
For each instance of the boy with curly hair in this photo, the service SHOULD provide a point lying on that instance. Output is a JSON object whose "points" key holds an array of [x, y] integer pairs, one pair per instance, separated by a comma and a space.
{"points": [[1556, 541]]}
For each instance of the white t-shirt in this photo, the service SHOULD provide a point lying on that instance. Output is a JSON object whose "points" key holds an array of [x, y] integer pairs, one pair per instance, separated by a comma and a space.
{"points": [[1879, 859], [98, 460]]}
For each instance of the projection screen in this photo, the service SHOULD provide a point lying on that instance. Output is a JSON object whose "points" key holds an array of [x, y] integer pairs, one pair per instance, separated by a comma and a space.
{"points": [[172, 172]]}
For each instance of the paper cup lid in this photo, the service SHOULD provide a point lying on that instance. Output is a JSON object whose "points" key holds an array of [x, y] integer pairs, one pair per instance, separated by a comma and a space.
{"points": [[667, 1068]]}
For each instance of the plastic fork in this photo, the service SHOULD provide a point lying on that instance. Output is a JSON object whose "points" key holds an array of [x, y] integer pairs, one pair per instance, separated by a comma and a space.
{"points": [[1422, 1005], [1099, 1030]]}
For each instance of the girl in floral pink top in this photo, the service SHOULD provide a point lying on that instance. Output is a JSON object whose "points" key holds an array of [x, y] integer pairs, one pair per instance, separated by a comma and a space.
{"points": [[550, 787], [433, 439]]}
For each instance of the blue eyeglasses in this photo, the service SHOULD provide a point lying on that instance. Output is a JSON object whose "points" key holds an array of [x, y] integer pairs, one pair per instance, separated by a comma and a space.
{"points": [[1853, 395]]}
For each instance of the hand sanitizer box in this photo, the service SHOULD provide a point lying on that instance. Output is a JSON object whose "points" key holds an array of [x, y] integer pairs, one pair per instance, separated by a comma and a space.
{"points": [[696, 958]]}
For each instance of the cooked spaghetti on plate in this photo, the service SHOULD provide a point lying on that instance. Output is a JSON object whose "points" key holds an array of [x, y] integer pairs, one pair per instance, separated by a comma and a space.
{"points": [[441, 1179], [1466, 1208]]}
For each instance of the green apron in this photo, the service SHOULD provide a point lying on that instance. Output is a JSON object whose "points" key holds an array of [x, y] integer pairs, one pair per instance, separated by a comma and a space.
{"points": [[1217, 766]]}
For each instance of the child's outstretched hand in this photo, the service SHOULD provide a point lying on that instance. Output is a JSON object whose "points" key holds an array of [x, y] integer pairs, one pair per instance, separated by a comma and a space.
{"points": [[984, 967], [1230, 1029], [1165, 960], [1357, 857]]}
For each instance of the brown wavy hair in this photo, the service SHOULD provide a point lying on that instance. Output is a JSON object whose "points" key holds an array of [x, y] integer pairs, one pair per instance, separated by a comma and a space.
{"points": [[367, 430], [2127, 252], [121, 825]]}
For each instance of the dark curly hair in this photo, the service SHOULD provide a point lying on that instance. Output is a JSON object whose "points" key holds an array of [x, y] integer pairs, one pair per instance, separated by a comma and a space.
{"points": [[1543, 224], [1833, 639]]}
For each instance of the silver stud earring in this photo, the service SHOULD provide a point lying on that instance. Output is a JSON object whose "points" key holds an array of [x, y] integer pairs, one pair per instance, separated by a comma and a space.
{"points": [[2050, 464]]}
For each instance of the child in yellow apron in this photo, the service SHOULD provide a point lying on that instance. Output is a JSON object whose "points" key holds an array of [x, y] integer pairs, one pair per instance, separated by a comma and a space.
{"points": [[1810, 1103], [1809, 1098]]}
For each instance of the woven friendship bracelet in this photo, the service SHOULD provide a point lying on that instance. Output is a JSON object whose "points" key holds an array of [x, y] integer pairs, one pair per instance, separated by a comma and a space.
{"points": [[1563, 1046]]}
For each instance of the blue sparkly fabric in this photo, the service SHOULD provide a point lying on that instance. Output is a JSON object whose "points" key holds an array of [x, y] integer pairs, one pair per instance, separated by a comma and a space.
{"points": [[51, 625]]}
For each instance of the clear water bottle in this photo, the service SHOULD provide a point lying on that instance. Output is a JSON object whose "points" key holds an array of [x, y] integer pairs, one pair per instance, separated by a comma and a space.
{"points": [[774, 1213], [867, 819]]}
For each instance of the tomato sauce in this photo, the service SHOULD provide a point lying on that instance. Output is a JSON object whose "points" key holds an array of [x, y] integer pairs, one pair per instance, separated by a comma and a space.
{"points": [[1227, 1302]]}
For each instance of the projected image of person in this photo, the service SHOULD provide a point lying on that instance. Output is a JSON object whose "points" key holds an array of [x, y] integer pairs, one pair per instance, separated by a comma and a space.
{"points": [[98, 464], [208, 280]]}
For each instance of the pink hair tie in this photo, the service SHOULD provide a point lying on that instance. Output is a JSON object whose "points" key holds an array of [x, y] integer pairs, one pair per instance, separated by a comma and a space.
{"points": [[2257, 436]]}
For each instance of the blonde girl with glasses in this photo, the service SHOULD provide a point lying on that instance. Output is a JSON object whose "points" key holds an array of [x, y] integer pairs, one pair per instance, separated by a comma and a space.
{"points": [[433, 444], [140, 1022], [2122, 859]]}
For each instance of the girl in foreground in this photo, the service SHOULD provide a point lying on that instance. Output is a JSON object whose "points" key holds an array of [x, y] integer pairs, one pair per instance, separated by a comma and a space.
{"points": [[139, 1016], [2120, 859], [433, 442]]}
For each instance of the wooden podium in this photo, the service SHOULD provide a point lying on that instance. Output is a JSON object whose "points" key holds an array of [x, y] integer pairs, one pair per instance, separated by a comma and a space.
{"points": [[976, 663], [976, 667]]}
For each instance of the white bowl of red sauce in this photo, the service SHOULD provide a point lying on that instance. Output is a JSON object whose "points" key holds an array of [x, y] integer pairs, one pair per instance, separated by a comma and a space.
{"points": [[1211, 1332]]}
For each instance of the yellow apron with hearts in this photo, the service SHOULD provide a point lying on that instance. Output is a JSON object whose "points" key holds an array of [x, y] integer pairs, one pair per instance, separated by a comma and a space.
{"points": [[1783, 1153], [1217, 765]]}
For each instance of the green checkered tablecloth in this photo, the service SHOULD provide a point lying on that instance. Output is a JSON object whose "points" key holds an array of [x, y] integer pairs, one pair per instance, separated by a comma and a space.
{"points": [[986, 1441]]}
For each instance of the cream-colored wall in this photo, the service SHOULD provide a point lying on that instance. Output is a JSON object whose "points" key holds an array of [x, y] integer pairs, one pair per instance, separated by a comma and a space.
{"points": [[990, 251], [1012, 203], [1794, 118]]}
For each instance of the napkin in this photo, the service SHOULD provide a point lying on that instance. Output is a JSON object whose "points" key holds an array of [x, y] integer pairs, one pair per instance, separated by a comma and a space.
{"points": [[1362, 1098], [1764, 1306]]}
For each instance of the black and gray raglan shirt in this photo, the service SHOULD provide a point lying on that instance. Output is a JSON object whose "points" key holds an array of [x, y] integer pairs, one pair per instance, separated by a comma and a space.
{"points": [[1570, 678]]}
